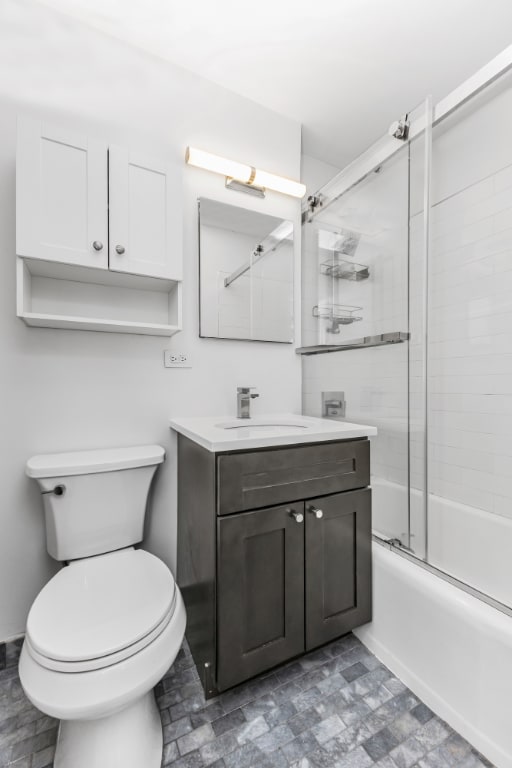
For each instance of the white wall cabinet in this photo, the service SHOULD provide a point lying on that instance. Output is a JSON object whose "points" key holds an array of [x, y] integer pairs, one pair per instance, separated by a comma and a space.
{"points": [[61, 196], [98, 234], [143, 210]]}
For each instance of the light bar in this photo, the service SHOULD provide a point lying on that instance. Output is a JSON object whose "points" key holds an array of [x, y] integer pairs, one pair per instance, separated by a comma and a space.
{"points": [[245, 174], [279, 184], [218, 164]]}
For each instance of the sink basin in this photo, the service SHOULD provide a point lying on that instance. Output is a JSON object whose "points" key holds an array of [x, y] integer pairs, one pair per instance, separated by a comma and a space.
{"points": [[217, 433], [267, 425]]}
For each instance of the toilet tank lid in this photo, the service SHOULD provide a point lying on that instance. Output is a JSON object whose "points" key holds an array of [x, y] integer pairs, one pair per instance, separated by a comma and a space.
{"points": [[89, 462]]}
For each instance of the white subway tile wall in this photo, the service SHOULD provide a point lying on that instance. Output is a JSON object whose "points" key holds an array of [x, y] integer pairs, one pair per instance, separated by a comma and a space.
{"points": [[470, 335]]}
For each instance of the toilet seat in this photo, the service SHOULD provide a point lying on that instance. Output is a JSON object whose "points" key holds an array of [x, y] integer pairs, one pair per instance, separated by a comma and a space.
{"points": [[101, 610], [102, 692], [89, 665]]}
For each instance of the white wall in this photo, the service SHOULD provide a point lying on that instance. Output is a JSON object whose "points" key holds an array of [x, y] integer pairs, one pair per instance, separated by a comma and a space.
{"points": [[315, 173], [69, 389]]}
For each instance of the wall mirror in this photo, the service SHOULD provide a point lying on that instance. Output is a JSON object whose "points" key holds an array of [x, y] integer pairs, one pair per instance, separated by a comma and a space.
{"points": [[245, 274]]}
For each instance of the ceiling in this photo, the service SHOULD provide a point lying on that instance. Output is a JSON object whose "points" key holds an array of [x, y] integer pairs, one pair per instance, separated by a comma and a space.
{"points": [[345, 69]]}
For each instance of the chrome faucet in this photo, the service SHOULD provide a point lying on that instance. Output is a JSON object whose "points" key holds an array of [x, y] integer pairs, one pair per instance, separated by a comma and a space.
{"points": [[243, 402]]}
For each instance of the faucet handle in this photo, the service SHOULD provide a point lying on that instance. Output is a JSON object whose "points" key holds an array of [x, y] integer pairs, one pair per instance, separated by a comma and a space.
{"points": [[245, 391]]}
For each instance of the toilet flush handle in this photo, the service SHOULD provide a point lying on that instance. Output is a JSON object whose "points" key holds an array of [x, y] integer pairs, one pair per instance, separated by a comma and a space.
{"points": [[59, 490]]}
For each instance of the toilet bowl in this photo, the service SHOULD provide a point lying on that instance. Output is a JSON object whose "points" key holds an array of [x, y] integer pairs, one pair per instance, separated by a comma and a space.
{"points": [[107, 626]]}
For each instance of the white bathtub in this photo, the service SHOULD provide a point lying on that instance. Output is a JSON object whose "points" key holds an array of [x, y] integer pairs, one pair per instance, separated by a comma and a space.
{"points": [[453, 650], [468, 543]]}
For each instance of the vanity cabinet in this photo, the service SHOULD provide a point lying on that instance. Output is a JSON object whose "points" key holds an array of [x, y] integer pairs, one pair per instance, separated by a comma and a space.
{"points": [[274, 552], [98, 234]]}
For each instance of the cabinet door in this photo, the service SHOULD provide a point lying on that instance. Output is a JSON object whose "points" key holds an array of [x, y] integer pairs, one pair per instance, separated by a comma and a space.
{"points": [[260, 614], [338, 565], [61, 196], [145, 215]]}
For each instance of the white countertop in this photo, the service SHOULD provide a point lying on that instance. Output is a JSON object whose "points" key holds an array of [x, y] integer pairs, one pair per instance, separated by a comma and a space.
{"points": [[224, 433]]}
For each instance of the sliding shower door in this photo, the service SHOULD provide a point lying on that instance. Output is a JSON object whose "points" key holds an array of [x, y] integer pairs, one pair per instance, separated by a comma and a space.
{"points": [[470, 344], [407, 320], [357, 245]]}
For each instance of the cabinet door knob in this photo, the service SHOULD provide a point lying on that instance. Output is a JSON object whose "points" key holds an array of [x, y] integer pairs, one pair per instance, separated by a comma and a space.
{"points": [[120, 249], [318, 513], [297, 516], [97, 245]]}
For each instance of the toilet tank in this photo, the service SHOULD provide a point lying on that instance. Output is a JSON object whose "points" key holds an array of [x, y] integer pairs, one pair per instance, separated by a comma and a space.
{"points": [[94, 501]]}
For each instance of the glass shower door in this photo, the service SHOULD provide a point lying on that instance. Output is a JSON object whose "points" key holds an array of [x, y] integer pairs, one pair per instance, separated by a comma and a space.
{"points": [[470, 343], [391, 256], [356, 285]]}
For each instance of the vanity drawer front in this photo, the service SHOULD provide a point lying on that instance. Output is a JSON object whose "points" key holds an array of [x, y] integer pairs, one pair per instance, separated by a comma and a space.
{"points": [[276, 476]]}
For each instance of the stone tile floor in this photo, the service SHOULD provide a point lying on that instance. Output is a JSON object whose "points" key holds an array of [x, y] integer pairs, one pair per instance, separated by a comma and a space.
{"points": [[338, 706]]}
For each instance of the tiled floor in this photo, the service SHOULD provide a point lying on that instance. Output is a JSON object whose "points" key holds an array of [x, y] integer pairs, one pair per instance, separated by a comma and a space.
{"points": [[338, 706], [27, 737]]}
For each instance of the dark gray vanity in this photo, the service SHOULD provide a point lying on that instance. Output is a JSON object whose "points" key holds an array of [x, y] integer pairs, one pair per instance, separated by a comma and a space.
{"points": [[274, 552]]}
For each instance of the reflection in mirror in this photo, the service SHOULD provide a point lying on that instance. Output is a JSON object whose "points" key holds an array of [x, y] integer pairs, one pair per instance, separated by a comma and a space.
{"points": [[246, 274]]}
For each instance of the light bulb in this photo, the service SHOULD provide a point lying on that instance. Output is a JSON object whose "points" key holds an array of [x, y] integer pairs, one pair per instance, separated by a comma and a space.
{"points": [[279, 184], [218, 164]]}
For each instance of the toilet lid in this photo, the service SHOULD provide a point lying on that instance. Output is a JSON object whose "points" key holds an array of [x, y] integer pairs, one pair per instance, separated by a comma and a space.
{"points": [[101, 605]]}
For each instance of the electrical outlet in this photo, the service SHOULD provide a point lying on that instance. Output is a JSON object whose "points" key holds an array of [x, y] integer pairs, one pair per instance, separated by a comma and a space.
{"points": [[176, 359]]}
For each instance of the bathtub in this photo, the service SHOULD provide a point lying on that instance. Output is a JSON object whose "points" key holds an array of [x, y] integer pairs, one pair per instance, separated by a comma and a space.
{"points": [[468, 543], [452, 649]]}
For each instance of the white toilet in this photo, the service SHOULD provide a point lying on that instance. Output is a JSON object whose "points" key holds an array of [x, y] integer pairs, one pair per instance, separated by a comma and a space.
{"points": [[108, 626]]}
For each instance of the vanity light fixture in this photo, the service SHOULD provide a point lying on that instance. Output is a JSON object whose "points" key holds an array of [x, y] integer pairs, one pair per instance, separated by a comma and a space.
{"points": [[242, 177]]}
